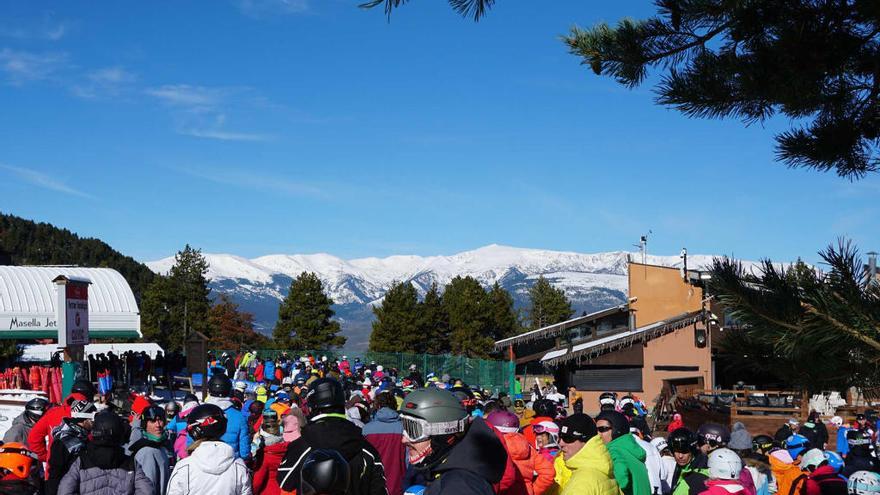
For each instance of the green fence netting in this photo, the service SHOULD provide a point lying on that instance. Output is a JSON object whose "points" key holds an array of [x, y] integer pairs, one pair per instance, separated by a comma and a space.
{"points": [[496, 376]]}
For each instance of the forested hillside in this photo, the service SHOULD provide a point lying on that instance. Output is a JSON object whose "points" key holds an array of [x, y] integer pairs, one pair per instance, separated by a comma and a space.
{"points": [[24, 242]]}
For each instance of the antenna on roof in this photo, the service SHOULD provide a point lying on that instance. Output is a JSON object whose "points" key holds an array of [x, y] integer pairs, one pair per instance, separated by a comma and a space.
{"points": [[684, 264], [643, 247]]}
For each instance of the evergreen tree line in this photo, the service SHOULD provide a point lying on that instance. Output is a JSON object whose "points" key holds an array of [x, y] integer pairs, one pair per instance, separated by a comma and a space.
{"points": [[179, 303], [465, 319], [25, 242]]}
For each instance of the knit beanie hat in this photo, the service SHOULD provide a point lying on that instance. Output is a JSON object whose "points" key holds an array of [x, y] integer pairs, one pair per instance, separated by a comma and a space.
{"points": [[740, 438]]}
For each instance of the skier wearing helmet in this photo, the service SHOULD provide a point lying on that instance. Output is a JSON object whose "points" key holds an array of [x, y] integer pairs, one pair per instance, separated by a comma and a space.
{"points": [[691, 467], [19, 470], [22, 424], [785, 464], [545, 410], [212, 467], [863, 483], [329, 428], [724, 470], [547, 439], [668, 461], [451, 453], [536, 470], [103, 463], [711, 436], [68, 440], [821, 478]]}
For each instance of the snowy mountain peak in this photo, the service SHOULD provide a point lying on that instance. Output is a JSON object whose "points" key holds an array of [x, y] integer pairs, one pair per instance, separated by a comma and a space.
{"points": [[591, 281], [366, 279]]}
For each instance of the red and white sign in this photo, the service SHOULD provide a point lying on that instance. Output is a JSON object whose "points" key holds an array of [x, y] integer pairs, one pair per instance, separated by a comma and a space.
{"points": [[73, 318]]}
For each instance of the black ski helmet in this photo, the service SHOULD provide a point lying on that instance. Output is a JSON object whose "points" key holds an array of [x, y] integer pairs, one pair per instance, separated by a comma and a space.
{"points": [[325, 393], [172, 409], [545, 407], [762, 443], [219, 385], [206, 422], [35, 408], [84, 387], [713, 434], [324, 472], [110, 429], [152, 412], [682, 440]]}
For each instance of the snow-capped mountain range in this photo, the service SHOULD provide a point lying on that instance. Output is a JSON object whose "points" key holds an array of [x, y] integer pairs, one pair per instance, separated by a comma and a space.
{"points": [[591, 281]]}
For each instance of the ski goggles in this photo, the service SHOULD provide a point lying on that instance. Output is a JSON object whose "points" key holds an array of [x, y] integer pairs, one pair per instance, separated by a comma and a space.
{"points": [[418, 429], [711, 441], [538, 429]]}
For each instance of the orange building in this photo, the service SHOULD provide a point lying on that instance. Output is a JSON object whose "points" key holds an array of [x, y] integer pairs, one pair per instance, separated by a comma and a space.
{"points": [[659, 339]]}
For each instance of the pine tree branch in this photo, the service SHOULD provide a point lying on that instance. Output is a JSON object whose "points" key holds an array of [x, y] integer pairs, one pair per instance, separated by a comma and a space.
{"points": [[852, 332], [698, 41], [753, 310]]}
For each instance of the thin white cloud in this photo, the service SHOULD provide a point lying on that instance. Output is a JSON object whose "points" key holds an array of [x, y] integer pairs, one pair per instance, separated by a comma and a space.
{"points": [[200, 111], [57, 32], [40, 179], [105, 82], [264, 8], [49, 31], [257, 182], [224, 135], [21, 67], [112, 75], [189, 97]]}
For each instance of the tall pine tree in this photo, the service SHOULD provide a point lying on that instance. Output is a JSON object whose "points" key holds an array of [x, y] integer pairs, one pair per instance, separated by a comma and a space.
{"points": [[178, 304], [304, 318], [156, 324], [505, 320], [547, 304], [396, 327], [433, 323], [470, 317]]}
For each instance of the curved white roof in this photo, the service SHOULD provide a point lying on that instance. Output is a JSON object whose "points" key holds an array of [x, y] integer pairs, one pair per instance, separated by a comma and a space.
{"points": [[28, 292], [29, 289]]}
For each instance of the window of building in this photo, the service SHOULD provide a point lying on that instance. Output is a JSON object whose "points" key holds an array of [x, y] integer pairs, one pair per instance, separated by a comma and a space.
{"points": [[602, 379]]}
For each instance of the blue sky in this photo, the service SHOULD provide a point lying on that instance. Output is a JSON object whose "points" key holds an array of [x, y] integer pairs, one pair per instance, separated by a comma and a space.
{"points": [[266, 126]]}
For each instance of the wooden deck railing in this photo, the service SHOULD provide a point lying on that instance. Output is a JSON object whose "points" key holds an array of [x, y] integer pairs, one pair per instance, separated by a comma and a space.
{"points": [[740, 402]]}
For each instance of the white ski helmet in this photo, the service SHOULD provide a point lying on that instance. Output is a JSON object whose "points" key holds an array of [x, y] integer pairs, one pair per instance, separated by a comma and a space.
{"points": [[812, 459], [660, 443], [837, 421], [380, 368], [724, 464], [863, 483]]}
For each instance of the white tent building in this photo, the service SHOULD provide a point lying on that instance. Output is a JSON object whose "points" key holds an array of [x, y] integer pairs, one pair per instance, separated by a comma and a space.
{"points": [[28, 299]]}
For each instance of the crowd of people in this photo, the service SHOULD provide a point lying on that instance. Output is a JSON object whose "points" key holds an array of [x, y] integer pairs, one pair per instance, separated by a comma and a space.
{"points": [[324, 426]]}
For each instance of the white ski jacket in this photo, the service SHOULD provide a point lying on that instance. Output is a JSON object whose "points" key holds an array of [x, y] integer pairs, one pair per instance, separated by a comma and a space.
{"points": [[212, 469]]}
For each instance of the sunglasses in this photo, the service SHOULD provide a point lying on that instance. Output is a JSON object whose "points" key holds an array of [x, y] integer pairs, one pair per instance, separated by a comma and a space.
{"points": [[603, 429]]}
